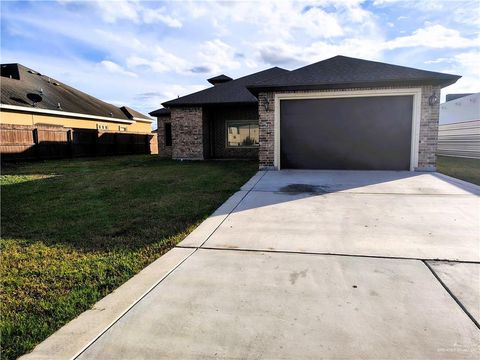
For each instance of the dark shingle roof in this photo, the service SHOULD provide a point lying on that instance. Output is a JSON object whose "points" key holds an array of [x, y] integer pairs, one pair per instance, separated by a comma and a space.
{"points": [[234, 91], [219, 79], [342, 72], [160, 112], [17, 81]]}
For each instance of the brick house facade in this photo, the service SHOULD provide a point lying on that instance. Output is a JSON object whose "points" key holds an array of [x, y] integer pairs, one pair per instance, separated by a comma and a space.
{"points": [[428, 131], [199, 121]]}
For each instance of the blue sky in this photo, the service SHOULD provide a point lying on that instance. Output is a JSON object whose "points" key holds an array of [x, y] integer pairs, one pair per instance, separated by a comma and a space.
{"points": [[141, 53]]}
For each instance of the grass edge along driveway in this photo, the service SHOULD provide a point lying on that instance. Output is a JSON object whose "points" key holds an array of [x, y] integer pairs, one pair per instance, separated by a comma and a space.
{"points": [[462, 168], [74, 230]]}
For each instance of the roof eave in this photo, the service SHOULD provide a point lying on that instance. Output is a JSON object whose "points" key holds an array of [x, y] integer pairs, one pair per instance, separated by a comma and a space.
{"points": [[255, 89], [62, 113], [142, 119], [186, 104]]}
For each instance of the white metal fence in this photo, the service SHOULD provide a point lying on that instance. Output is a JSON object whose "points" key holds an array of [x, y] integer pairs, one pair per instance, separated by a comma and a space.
{"points": [[460, 139]]}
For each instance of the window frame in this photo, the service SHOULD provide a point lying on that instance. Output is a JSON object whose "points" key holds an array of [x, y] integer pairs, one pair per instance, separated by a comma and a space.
{"points": [[241, 122]]}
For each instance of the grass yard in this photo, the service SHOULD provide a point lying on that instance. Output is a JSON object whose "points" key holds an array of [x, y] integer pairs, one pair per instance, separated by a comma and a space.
{"points": [[460, 168], [74, 230]]}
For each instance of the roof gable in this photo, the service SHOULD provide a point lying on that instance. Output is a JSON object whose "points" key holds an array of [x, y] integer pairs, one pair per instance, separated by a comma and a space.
{"points": [[233, 91], [342, 71]]}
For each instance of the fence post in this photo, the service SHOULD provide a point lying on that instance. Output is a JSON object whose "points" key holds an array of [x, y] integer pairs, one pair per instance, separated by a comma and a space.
{"points": [[69, 143], [95, 142], [147, 144], [36, 143], [115, 144]]}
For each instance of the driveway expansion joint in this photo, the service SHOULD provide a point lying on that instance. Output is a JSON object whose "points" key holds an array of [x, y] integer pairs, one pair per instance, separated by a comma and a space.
{"points": [[452, 295], [328, 254]]}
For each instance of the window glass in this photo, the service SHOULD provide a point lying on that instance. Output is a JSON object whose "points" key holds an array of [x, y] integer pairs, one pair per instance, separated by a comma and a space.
{"points": [[242, 133]]}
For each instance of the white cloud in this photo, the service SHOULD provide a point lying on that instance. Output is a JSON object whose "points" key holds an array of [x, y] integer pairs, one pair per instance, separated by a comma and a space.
{"points": [[318, 23], [113, 11], [171, 91], [154, 15], [161, 63], [424, 5], [438, 61], [468, 14], [465, 64], [432, 36], [283, 53], [112, 67], [217, 56], [283, 19]]}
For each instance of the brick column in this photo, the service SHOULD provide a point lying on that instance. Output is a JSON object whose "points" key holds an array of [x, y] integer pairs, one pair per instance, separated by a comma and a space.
{"points": [[428, 136], [266, 130], [163, 151], [187, 133]]}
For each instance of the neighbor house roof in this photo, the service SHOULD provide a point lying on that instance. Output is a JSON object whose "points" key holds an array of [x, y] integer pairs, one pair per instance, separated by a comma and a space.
{"points": [[160, 112], [231, 92], [451, 97], [134, 114], [343, 72], [18, 83]]}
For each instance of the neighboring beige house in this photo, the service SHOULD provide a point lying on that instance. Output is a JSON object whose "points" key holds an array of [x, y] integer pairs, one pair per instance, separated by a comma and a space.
{"points": [[31, 98]]}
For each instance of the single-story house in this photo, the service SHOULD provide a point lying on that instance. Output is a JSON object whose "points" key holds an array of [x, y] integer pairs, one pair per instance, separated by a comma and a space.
{"points": [[31, 98], [339, 113], [459, 129]]}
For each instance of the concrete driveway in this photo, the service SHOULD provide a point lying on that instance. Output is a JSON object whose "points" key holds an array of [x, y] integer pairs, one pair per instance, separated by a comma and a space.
{"points": [[316, 264]]}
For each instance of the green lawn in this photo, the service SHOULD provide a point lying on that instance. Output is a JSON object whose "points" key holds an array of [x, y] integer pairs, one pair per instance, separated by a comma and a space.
{"points": [[461, 168], [74, 230]]}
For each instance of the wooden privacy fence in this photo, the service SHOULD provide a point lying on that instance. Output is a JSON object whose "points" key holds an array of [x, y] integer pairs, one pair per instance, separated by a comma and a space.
{"points": [[25, 142]]}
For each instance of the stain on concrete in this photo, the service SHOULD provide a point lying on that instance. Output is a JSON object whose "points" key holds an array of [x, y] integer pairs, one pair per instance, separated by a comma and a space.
{"points": [[297, 274], [295, 189]]}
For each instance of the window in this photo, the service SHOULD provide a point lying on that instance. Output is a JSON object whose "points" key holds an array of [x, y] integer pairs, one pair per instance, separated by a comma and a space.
{"points": [[122, 128], [242, 133], [168, 134]]}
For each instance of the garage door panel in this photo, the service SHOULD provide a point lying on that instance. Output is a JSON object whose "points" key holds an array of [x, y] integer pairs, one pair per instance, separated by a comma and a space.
{"points": [[346, 133]]}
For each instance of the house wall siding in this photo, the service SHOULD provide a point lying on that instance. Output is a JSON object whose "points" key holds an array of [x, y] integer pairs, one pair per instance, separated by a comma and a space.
{"points": [[30, 118], [187, 133], [428, 135], [163, 150]]}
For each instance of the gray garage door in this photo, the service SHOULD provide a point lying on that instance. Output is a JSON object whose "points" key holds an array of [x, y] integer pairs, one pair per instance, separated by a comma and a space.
{"points": [[360, 133]]}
